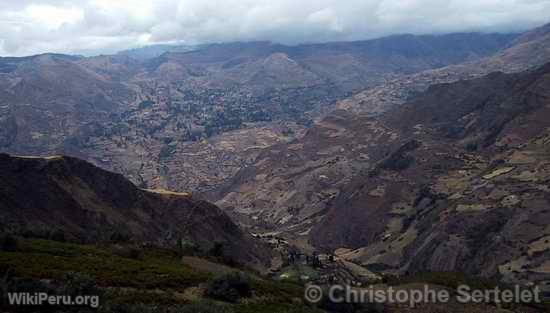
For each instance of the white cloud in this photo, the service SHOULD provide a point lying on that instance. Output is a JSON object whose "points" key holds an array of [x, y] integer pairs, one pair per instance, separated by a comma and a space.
{"points": [[50, 17], [73, 26]]}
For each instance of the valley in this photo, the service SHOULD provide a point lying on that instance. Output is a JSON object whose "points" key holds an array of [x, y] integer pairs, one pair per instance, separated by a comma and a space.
{"points": [[139, 111], [227, 177]]}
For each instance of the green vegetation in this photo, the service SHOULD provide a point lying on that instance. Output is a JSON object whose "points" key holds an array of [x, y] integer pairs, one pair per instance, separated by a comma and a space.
{"points": [[275, 308], [58, 235], [145, 104], [400, 160], [296, 272], [186, 247], [40, 259], [214, 307], [131, 279], [8, 243], [284, 292], [230, 287], [127, 252]]}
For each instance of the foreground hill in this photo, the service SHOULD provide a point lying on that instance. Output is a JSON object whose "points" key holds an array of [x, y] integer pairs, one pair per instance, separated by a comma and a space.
{"points": [[45, 196], [158, 281], [150, 280]]}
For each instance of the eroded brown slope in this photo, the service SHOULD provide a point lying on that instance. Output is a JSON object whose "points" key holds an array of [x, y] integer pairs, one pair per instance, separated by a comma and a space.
{"points": [[290, 186], [426, 186], [467, 189]]}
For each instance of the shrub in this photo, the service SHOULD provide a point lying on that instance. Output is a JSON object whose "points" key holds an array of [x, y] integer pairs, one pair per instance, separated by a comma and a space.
{"points": [[58, 235], [127, 252], [145, 104], [205, 307], [165, 151], [186, 247], [230, 287], [79, 284], [8, 243], [140, 298], [29, 285], [199, 307], [217, 250], [400, 160], [119, 236]]}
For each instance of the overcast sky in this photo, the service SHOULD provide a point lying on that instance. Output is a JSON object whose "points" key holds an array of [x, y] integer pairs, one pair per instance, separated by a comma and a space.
{"points": [[86, 26]]}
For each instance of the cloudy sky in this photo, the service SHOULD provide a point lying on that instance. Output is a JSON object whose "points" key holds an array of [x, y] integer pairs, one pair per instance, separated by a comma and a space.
{"points": [[92, 26]]}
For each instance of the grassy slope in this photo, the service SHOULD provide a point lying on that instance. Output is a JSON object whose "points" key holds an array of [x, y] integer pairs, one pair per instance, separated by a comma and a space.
{"points": [[155, 277]]}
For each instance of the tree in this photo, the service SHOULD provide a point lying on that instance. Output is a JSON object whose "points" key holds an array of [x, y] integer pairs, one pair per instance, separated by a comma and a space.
{"points": [[230, 287], [8, 243]]}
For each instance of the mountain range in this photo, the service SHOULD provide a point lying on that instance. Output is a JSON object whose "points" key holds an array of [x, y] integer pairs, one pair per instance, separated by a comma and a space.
{"points": [[132, 115], [409, 186], [397, 155]]}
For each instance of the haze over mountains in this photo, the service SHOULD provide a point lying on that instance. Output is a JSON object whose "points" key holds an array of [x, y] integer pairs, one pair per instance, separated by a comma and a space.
{"points": [[401, 154]]}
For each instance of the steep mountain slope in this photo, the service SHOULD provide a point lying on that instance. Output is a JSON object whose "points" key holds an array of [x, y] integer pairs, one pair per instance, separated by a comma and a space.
{"points": [[290, 186], [531, 49], [41, 195], [465, 188], [438, 184], [48, 98]]}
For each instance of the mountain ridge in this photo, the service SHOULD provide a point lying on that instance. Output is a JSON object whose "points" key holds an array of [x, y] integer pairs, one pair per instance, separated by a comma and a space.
{"points": [[91, 205], [132, 116]]}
